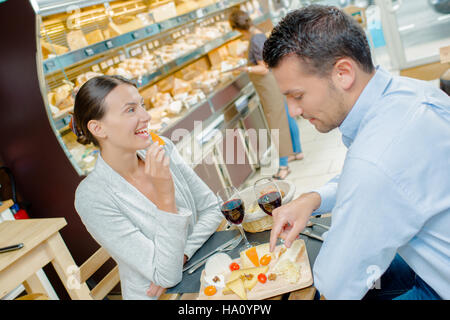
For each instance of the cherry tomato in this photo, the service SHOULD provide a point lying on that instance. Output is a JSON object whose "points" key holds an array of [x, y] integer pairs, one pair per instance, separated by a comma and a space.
{"points": [[262, 278], [265, 260], [210, 290], [234, 266]]}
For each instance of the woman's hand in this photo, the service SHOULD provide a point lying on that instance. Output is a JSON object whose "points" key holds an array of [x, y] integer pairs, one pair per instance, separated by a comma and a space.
{"points": [[157, 170], [155, 291]]}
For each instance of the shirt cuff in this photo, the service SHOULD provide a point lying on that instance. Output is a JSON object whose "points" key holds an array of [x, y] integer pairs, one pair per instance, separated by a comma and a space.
{"points": [[327, 198]]}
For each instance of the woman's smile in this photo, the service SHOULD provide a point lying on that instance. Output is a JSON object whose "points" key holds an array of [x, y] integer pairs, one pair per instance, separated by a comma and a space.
{"points": [[143, 133]]}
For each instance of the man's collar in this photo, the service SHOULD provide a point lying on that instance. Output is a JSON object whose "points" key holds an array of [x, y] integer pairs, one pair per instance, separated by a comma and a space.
{"points": [[373, 90]]}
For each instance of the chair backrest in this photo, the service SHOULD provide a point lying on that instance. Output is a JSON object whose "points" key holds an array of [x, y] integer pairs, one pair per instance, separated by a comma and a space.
{"points": [[91, 265], [34, 296]]}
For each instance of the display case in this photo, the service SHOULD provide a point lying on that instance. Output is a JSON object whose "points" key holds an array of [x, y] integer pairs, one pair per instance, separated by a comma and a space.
{"points": [[177, 53], [415, 30]]}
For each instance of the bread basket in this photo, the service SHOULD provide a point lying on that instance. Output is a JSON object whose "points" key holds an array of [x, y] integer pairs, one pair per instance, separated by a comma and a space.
{"points": [[255, 220]]}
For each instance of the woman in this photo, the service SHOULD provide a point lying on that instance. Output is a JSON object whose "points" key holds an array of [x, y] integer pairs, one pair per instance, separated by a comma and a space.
{"points": [[148, 209], [272, 100]]}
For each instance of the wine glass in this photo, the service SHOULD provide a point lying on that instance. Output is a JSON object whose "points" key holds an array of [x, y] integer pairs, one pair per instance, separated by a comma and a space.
{"points": [[233, 209], [268, 195]]}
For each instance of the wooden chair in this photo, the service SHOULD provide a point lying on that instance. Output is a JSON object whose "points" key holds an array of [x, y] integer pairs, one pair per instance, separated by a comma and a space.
{"points": [[104, 287], [34, 296], [85, 271], [91, 265]]}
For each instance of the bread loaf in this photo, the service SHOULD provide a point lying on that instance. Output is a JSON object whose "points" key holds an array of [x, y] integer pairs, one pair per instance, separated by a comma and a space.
{"points": [[94, 37], [76, 40]]}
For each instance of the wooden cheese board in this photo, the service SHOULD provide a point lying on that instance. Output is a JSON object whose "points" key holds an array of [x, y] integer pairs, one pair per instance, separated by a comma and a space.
{"points": [[271, 287]]}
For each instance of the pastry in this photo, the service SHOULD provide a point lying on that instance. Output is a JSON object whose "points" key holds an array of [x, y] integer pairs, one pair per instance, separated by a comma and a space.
{"points": [[76, 40]]}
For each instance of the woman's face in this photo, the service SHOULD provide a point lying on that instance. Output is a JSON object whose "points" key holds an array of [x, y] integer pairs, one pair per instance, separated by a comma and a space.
{"points": [[125, 123]]}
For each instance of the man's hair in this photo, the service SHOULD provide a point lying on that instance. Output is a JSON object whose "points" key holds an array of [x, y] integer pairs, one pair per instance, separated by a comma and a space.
{"points": [[318, 35]]}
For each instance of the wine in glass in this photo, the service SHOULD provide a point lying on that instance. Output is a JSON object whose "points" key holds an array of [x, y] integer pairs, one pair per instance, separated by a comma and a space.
{"points": [[268, 195], [233, 209]]}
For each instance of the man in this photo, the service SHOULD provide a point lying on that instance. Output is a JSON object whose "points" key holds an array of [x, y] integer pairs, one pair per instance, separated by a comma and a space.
{"points": [[391, 203]]}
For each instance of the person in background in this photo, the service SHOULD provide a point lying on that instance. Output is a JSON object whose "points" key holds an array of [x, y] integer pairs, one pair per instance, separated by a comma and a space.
{"points": [[390, 205], [142, 202], [272, 102]]}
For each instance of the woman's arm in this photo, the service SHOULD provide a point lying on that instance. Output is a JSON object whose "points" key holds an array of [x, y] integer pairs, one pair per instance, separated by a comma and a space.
{"points": [[259, 68], [159, 259]]}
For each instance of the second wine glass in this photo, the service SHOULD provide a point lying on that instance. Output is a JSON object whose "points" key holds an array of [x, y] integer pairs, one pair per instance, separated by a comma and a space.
{"points": [[268, 195]]}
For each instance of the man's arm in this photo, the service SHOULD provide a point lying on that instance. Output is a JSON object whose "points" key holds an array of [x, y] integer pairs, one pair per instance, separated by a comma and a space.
{"points": [[373, 216], [327, 195]]}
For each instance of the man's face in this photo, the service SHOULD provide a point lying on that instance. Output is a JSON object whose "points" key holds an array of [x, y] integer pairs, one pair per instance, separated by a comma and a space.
{"points": [[315, 98]]}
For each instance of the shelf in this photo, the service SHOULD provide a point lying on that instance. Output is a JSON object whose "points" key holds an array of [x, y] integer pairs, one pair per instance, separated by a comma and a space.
{"points": [[176, 64], [220, 93], [189, 57], [170, 67], [62, 114], [66, 60], [46, 7], [183, 60]]}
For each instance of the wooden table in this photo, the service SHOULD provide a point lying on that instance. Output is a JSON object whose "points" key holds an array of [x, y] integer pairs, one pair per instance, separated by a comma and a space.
{"points": [[302, 294], [42, 245], [6, 205]]}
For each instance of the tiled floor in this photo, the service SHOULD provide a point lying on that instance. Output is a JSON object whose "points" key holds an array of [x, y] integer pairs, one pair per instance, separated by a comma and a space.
{"points": [[324, 158]]}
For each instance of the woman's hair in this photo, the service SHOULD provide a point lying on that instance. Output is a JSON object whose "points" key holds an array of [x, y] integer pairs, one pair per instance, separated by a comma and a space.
{"points": [[89, 104], [319, 36], [240, 20]]}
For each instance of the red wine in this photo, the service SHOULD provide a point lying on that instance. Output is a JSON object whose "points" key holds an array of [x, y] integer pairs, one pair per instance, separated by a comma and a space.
{"points": [[233, 211], [269, 201]]}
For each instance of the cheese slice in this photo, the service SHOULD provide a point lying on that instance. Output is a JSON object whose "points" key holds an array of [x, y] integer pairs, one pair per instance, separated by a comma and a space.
{"points": [[261, 250], [237, 286], [287, 266], [249, 282], [253, 256]]}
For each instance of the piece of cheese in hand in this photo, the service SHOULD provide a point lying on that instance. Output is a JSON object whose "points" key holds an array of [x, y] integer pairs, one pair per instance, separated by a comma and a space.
{"points": [[157, 138], [287, 266]]}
